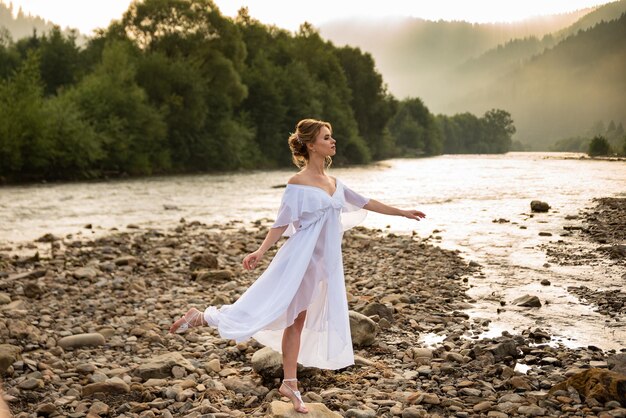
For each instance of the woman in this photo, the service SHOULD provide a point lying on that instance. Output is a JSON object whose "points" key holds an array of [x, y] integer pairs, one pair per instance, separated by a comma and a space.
{"points": [[301, 296]]}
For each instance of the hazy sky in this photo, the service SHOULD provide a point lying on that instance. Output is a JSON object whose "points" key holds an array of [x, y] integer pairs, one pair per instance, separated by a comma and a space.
{"points": [[289, 14]]}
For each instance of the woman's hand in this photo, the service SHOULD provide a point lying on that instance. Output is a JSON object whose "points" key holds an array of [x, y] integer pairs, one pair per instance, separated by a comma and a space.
{"points": [[413, 214], [251, 260]]}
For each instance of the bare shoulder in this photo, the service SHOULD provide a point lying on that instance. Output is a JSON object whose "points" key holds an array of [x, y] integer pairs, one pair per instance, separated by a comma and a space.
{"points": [[296, 179]]}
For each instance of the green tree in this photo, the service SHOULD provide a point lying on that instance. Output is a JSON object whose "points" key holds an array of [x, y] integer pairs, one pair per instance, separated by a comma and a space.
{"points": [[131, 131], [498, 130], [599, 146], [22, 121], [370, 102], [414, 129]]}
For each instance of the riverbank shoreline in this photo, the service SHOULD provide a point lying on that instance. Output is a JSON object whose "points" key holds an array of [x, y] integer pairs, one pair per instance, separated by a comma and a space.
{"points": [[84, 332]]}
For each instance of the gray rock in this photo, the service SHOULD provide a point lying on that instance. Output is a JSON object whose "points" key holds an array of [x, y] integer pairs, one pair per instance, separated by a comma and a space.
{"points": [[379, 309], [362, 329], [93, 339], [504, 349], [268, 363], [160, 367], [30, 384]]}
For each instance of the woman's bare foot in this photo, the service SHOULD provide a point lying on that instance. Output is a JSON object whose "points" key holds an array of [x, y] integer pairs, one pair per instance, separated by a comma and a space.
{"points": [[193, 318], [291, 391]]}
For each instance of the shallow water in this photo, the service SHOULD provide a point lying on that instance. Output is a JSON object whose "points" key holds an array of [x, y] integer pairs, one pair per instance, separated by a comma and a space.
{"points": [[461, 196]]}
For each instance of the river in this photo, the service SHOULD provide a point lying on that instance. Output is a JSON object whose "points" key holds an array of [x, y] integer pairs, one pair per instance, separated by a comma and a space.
{"points": [[461, 195]]}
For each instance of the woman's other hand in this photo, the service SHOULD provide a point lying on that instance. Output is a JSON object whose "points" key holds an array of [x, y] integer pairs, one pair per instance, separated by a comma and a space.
{"points": [[413, 214], [251, 260]]}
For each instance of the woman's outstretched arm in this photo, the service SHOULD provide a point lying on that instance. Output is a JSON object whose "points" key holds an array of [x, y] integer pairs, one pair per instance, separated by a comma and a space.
{"points": [[273, 235], [376, 206]]}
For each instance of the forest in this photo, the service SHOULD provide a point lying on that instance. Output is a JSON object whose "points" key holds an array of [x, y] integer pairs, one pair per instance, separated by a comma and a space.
{"points": [[176, 87]]}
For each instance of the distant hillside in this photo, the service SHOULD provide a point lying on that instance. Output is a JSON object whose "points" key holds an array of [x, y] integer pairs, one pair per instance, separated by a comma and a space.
{"points": [[22, 25], [514, 53], [564, 90], [416, 56]]}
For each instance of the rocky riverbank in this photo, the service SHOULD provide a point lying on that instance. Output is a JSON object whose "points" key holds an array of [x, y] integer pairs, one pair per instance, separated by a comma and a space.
{"points": [[83, 331], [600, 231]]}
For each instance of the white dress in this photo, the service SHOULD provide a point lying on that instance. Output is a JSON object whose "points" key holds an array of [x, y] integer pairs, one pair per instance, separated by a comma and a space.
{"points": [[306, 274]]}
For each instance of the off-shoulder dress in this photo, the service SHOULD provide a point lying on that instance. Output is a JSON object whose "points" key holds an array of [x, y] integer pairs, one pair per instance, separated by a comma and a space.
{"points": [[305, 274]]}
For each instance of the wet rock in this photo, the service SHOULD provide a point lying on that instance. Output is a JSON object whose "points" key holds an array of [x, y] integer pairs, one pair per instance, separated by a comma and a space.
{"points": [[93, 339], [539, 206], [362, 329], [545, 282], [280, 409], [160, 367], [527, 301]]}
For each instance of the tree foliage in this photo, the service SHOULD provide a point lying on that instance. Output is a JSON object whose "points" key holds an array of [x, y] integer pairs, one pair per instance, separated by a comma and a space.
{"points": [[174, 86], [465, 133], [599, 146]]}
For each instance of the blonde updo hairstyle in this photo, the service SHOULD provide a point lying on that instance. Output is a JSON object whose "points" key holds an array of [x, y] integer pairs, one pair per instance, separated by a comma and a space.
{"points": [[306, 132]]}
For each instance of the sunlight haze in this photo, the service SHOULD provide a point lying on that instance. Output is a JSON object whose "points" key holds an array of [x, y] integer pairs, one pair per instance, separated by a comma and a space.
{"points": [[89, 15]]}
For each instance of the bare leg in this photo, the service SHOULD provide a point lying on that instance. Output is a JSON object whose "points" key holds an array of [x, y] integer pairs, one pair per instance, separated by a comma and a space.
{"points": [[291, 348]]}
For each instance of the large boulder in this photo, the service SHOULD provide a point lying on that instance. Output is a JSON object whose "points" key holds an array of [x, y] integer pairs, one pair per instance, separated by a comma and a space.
{"points": [[268, 363], [362, 329], [602, 385]]}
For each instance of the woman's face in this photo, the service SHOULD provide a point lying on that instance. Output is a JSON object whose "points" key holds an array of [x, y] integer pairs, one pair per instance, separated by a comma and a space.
{"points": [[324, 143]]}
